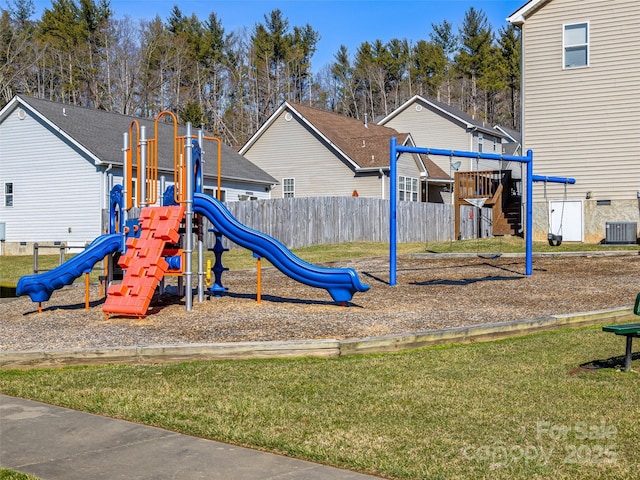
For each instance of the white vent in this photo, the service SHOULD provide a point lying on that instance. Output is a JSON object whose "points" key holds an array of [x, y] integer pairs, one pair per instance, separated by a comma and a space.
{"points": [[621, 232]]}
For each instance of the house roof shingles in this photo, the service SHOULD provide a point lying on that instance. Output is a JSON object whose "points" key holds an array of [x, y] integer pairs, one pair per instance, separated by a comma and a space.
{"points": [[101, 133], [365, 145]]}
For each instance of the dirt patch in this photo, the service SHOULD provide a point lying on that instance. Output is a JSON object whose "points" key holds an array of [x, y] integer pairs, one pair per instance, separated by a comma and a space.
{"points": [[430, 294]]}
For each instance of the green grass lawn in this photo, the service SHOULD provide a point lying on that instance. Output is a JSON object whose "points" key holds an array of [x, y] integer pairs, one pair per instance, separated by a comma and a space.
{"points": [[14, 267], [13, 475], [518, 408]]}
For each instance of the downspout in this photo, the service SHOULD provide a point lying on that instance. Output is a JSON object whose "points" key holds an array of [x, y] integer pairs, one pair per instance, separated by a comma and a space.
{"points": [[471, 148], [382, 189], [106, 187], [522, 142]]}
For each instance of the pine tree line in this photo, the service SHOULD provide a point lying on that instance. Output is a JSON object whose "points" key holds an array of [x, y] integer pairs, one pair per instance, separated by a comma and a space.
{"points": [[79, 53]]}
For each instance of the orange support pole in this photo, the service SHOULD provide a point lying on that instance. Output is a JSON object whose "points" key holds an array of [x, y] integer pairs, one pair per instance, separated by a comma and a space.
{"points": [[219, 175], [178, 167], [39, 307], [86, 291], [259, 274]]}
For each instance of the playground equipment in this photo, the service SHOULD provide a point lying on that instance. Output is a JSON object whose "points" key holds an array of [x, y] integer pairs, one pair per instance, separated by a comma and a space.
{"points": [[395, 150], [555, 239], [160, 242]]}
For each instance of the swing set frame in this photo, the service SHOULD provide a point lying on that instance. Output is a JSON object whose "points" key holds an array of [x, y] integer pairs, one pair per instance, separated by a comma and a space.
{"points": [[396, 150]]}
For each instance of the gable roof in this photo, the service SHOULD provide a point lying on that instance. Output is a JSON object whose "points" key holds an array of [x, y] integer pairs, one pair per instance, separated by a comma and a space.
{"points": [[363, 146], [434, 172], [99, 134], [510, 134], [455, 115], [520, 16]]}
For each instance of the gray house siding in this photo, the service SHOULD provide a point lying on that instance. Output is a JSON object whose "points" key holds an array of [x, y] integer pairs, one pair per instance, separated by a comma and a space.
{"points": [[57, 188], [583, 122]]}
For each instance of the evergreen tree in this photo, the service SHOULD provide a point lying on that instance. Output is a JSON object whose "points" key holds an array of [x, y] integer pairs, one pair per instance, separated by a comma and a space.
{"points": [[398, 72], [474, 57], [429, 68], [191, 112], [345, 88], [280, 63], [77, 52], [509, 60], [21, 12], [446, 41]]}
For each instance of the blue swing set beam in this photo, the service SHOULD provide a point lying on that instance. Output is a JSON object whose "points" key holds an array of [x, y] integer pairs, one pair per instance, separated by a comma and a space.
{"points": [[394, 152]]}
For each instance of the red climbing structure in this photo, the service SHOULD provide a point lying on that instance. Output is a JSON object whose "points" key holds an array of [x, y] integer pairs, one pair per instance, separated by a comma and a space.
{"points": [[144, 262]]}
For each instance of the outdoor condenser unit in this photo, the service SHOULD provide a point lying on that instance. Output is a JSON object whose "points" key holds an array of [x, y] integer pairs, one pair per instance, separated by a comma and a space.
{"points": [[621, 232]]}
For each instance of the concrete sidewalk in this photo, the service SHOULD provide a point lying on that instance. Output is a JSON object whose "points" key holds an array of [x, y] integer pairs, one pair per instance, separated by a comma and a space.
{"points": [[56, 443]]}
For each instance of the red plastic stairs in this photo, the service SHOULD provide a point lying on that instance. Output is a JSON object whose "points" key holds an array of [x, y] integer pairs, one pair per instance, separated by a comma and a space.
{"points": [[143, 262]]}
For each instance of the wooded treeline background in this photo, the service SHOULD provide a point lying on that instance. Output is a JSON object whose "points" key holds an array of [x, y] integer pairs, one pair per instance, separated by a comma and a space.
{"points": [[79, 53]]}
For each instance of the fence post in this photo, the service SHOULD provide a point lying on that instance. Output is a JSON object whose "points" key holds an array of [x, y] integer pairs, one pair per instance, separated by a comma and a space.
{"points": [[63, 246], [35, 257]]}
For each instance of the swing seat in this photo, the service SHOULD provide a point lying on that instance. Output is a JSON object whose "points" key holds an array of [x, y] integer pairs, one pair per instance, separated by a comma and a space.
{"points": [[490, 256], [554, 240]]}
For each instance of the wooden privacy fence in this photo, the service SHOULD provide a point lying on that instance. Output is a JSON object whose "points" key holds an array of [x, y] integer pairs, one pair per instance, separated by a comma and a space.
{"points": [[302, 222]]}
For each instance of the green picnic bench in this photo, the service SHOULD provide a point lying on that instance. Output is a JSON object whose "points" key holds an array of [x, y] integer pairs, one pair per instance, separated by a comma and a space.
{"points": [[629, 330]]}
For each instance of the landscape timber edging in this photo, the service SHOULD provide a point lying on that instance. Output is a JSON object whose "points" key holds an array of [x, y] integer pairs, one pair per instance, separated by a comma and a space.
{"points": [[326, 348]]}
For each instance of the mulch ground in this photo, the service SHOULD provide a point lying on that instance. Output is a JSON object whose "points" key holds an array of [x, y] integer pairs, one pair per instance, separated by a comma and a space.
{"points": [[431, 293]]}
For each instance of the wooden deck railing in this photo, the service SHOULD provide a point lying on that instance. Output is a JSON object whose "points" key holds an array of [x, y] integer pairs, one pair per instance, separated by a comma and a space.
{"points": [[482, 184], [477, 184]]}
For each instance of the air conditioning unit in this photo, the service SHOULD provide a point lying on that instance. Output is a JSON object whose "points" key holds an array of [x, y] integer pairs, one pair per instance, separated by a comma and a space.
{"points": [[621, 232]]}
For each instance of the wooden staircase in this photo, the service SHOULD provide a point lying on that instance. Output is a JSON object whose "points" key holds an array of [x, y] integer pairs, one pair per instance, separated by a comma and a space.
{"points": [[487, 189]]}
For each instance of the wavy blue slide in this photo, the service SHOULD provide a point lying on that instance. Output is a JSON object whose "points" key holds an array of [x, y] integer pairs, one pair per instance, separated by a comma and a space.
{"points": [[40, 287], [341, 283]]}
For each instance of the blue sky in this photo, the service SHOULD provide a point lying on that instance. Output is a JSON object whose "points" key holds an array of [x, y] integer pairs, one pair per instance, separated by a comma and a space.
{"points": [[348, 22]]}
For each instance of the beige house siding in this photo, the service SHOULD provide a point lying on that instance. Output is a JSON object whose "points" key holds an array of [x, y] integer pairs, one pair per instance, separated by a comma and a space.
{"points": [[431, 128], [291, 150], [407, 167], [584, 122]]}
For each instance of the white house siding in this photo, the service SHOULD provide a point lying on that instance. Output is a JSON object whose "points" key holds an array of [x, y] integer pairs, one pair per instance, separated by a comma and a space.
{"points": [[61, 205], [238, 191], [290, 150], [234, 190], [584, 122]]}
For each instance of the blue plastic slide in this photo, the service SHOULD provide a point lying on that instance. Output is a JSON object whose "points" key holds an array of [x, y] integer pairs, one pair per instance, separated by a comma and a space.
{"points": [[341, 283], [40, 287]]}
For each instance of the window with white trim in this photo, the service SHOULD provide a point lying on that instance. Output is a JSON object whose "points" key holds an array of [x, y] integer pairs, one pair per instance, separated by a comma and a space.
{"points": [[575, 41], [480, 142], [134, 192], [407, 189], [288, 187], [8, 194], [212, 192]]}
